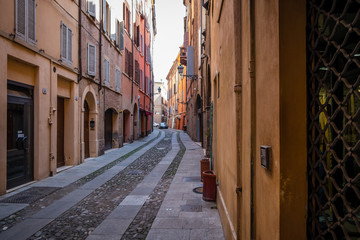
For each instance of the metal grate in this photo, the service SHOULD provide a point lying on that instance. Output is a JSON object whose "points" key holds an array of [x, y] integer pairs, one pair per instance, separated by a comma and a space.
{"points": [[333, 80], [31, 195]]}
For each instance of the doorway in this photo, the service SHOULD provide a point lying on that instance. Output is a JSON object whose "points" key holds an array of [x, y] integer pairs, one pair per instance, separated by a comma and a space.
{"points": [[108, 128], [20, 113], [60, 160], [86, 129]]}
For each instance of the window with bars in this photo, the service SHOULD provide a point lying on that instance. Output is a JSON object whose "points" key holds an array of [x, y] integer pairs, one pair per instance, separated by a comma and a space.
{"points": [[333, 121], [106, 72], [91, 53], [66, 43], [25, 20], [118, 79]]}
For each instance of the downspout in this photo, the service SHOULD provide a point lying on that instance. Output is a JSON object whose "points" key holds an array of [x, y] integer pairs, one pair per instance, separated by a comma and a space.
{"points": [[253, 115], [100, 45], [145, 74], [79, 50], [132, 54], [201, 71]]}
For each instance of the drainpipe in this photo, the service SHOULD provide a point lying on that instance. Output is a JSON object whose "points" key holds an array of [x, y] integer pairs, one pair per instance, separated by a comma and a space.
{"points": [[132, 53], [144, 76], [253, 114], [100, 51], [79, 51]]}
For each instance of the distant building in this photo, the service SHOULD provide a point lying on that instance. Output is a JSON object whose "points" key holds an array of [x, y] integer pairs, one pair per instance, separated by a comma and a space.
{"points": [[161, 112]]}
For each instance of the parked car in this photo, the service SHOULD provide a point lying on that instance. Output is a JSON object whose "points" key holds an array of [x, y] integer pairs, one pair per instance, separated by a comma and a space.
{"points": [[155, 124], [163, 125]]}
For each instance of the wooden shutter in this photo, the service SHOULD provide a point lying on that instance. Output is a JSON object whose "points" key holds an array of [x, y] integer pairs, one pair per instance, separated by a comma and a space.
{"points": [[126, 61], [104, 14], [63, 40], [69, 44], [91, 9], [131, 64], [20, 18], [106, 71], [124, 14], [31, 24], [121, 40], [117, 80], [91, 59]]}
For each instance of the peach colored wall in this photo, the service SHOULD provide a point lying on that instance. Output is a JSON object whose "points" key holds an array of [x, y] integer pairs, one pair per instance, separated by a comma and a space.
{"points": [[224, 139]]}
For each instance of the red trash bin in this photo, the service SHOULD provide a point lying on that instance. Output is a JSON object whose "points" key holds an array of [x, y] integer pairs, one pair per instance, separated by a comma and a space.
{"points": [[204, 166], [209, 188]]}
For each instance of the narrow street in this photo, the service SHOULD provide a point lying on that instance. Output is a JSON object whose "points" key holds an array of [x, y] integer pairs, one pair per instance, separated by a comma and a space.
{"points": [[141, 191]]}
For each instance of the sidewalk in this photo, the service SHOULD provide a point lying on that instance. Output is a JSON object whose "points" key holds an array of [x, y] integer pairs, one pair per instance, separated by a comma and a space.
{"points": [[75, 173], [183, 213]]}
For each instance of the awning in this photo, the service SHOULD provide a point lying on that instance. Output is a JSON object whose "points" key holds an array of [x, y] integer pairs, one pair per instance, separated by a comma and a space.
{"points": [[148, 113]]}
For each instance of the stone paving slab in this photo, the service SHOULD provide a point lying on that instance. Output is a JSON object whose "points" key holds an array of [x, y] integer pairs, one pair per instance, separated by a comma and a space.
{"points": [[9, 208], [134, 199], [125, 211], [172, 220], [112, 227], [19, 232], [166, 234]]}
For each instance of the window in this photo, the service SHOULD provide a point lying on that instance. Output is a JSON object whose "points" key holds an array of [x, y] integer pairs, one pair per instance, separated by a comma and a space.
{"points": [[106, 17], [25, 20], [118, 87], [141, 79], [91, 9], [120, 34], [91, 59], [106, 72], [126, 17], [66, 43], [128, 63]]}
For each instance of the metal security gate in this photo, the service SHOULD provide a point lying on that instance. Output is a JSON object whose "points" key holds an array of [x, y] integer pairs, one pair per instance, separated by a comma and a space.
{"points": [[333, 82]]}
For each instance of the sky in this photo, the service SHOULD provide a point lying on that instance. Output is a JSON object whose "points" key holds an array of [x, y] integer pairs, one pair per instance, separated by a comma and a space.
{"points": [[170, 35]]}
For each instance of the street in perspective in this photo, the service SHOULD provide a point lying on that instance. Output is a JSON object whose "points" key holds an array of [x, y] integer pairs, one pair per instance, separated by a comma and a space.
{"points": [[141, 191], [180, 119]]}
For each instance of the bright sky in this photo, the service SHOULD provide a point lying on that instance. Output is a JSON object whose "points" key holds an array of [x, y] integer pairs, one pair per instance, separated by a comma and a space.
{"points": [[170, 35]]}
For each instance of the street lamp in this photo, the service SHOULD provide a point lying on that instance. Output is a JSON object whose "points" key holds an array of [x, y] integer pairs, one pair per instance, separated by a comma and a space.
{"points": [[181, 72]]}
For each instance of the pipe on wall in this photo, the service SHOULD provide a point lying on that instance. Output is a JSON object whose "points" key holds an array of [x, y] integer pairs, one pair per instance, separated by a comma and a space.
{"points": [[253, 114]]}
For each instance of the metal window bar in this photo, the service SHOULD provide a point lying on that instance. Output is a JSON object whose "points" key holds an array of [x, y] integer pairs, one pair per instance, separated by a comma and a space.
{"points": [[333, 119]]}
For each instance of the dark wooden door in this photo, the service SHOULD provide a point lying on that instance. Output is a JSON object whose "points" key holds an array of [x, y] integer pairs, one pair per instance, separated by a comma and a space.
{"points": [[108, 129], [19, 136], [60, 133], [86, 130]]}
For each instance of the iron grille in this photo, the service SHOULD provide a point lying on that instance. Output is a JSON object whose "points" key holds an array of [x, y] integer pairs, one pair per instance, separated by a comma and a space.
{"points": [[333, 79]]}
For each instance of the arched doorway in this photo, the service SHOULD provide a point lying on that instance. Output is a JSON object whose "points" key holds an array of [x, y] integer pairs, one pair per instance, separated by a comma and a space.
{"points": [[126, 126], [89, 142], [108, 128]]}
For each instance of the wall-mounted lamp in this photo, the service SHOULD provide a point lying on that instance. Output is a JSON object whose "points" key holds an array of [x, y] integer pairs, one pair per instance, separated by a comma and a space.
{"points": [[181, 72]]}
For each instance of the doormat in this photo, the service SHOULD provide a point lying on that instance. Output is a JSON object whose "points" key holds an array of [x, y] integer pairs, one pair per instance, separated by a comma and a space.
{"points": [[31, 195], [198, 190]]}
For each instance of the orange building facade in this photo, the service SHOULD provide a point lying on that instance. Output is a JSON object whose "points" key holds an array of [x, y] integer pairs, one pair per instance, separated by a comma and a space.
{"points": [[68, 72]]}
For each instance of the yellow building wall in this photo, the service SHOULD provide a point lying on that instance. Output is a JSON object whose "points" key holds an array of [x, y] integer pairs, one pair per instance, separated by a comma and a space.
{"points": [[39, 66], [223, 74]]}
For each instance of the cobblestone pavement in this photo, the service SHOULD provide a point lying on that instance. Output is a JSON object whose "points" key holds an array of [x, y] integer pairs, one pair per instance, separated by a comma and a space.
{"points": [[79, 221], [140, 226], [123, 199], [34, 207]]}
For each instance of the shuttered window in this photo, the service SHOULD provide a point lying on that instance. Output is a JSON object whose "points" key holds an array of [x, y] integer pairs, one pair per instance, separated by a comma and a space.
{"points": [[91, 9], [121, 36], [118, 87], [91, 59], [66, 43], [25, 20], [106, 72]]}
